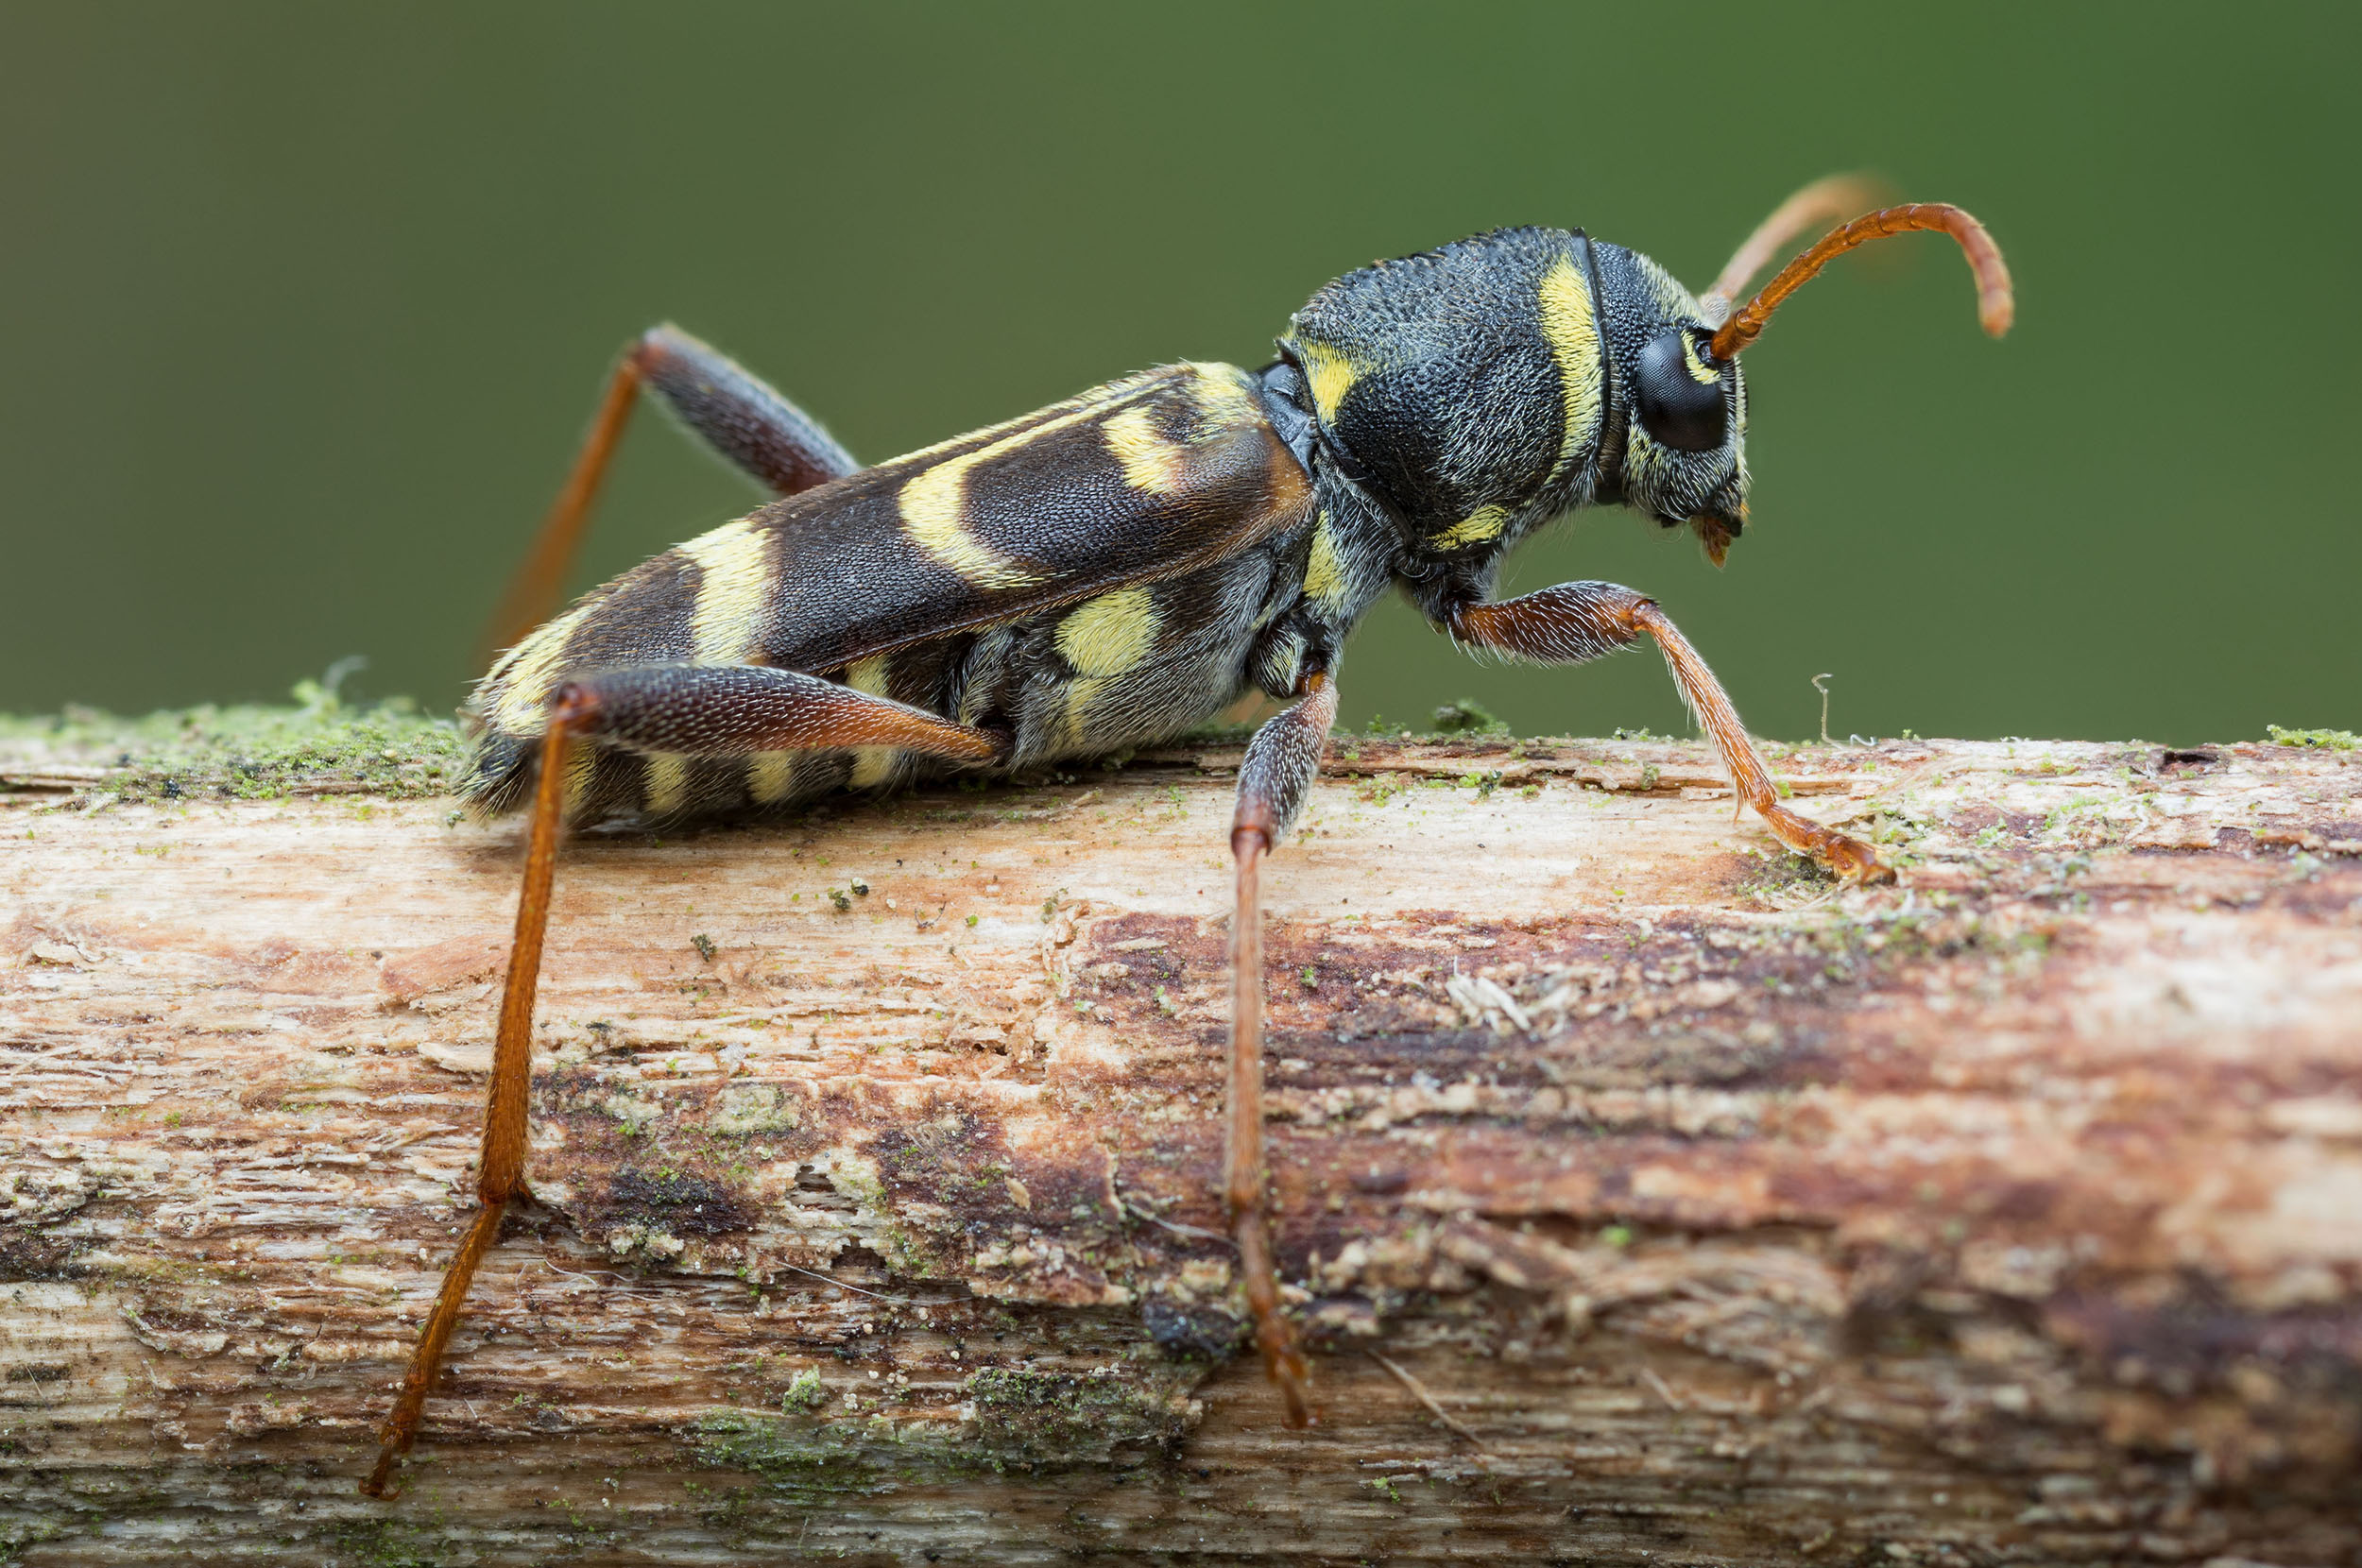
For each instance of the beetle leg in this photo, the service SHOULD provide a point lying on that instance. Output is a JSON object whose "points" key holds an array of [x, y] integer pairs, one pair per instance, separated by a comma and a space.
{"points": [[712, 709], [1575, 622], [1849, 856], [731, 409], [734, 709], [739, 414], [500, 1169], [1281, 762]]}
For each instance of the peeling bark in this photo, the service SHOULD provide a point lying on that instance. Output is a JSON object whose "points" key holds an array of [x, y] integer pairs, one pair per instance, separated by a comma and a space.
{"points": [[2013, 1214]]}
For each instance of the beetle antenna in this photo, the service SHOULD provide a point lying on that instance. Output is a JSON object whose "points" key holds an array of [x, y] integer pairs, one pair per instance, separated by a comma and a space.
{"points": [[1823, 201], [1995, 304]]}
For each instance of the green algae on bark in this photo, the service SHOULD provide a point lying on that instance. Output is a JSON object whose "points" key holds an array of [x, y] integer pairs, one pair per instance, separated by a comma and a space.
{"points": [[235, 752], [1012, 1418]]}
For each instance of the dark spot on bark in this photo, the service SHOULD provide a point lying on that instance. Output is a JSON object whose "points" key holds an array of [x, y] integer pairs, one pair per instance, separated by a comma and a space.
{"points": [[677, 1202], [26, 1254], [2192, 1341], [1188, 1330], [2021, 1200]]}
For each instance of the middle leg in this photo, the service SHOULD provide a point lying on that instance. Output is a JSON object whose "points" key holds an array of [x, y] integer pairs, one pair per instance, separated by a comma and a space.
{"points": [[1575, 622], [1281, 762]]}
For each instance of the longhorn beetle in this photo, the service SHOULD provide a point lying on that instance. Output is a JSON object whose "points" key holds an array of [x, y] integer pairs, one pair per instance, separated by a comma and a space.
{"points": [[1117, 568]]}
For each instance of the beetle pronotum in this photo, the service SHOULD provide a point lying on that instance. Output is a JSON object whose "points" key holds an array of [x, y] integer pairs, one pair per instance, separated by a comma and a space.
{"points": [[1116, 570]]}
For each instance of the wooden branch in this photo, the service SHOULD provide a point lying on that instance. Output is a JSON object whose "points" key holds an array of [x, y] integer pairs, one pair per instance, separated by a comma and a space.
{"points": [[2013, 1214]]}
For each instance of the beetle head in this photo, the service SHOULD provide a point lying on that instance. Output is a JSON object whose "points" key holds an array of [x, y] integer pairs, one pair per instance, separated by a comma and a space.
{"points": [[1479, 389], [1681, 409]]}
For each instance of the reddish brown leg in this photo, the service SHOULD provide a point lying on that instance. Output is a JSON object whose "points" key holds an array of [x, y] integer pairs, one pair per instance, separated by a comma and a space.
{"points": [[1280, 765], [500, 1175], [733, 411], [695, 710], [532, 593], [1850, 858], [1579, 621]]}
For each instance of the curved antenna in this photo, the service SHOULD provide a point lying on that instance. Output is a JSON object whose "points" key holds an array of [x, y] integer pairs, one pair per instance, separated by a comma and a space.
{"points": [[1995, 304], [1823, 201]]}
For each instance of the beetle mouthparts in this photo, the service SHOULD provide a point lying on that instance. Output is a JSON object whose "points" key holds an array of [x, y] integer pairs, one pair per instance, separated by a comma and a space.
{"points": [[1715, 535]]}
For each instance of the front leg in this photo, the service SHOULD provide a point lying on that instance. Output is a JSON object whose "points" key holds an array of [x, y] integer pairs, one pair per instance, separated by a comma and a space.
{"points": [[1281, 762], [1575, 622]]}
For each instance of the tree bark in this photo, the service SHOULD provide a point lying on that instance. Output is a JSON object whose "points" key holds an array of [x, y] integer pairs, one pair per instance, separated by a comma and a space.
{"points": [[1644, 1197]]}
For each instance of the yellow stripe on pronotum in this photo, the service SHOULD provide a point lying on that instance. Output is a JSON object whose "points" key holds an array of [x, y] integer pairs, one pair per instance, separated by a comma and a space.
{"points": [[1485, 523], [1329, 374], [1570, 326]]}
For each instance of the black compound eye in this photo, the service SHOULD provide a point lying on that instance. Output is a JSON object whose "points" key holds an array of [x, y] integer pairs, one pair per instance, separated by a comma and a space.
{"points": [[1680, 394]]}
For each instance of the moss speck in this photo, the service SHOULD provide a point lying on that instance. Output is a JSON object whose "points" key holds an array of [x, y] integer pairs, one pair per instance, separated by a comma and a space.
{"points": [[250, 753], [805, 1392], [1058, 1415], [2324, 740]]}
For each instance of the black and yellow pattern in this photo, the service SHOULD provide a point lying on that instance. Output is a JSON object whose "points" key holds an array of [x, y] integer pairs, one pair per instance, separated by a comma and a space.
{"points": [[1118, 567]]}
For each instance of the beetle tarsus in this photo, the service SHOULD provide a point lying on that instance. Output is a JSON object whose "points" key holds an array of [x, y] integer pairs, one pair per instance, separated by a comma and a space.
{"points": [[402, 1428], [1283, 1361], [1849, 858]]}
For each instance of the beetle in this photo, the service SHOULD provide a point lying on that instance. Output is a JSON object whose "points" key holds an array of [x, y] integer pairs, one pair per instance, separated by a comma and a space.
{"points": [[1117, 568]]}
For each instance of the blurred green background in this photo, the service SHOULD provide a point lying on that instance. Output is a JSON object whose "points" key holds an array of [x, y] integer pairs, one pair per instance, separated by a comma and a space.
{"points": [[306, 305]]}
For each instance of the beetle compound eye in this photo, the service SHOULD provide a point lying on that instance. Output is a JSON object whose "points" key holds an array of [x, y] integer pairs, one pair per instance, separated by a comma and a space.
{"points": [[1679, 395]]}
